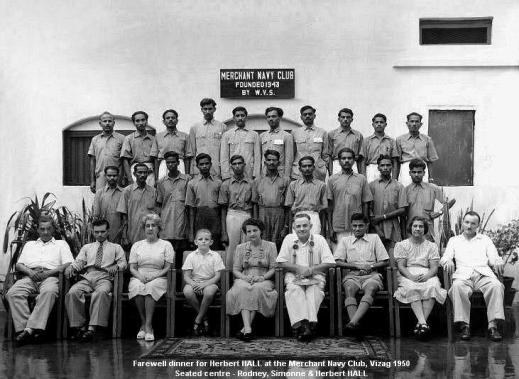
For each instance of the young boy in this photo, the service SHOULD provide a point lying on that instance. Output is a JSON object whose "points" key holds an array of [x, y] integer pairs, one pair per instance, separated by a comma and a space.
{"points": [[201, 274]]}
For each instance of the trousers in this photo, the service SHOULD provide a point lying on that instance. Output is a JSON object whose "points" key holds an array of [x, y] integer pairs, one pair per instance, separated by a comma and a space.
{"points": [[303, 302], [234, 220]]}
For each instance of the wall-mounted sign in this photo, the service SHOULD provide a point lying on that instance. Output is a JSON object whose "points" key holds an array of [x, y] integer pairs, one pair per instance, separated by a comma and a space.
{"points": [[257, 83]]}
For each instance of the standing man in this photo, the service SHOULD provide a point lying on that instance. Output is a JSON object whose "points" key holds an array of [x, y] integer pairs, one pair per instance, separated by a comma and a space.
{"points": [[476, 259], [40, 262], [415, 145], [171, 200], [170, 140], [268, 194], [278, 140], [304, 255], [104, 150], [376, 145], [310, 141], [106, 201], [137, 200], [241, 141], [348, 193], [235, 200], [205, 136], [342, 137], [137, 149], [100, 261]]}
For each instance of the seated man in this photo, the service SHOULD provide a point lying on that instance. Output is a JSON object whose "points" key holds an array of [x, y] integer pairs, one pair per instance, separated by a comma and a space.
{"points": [[100, 261], [306, 257], [362, 254], [39, 262], [475, 256]]}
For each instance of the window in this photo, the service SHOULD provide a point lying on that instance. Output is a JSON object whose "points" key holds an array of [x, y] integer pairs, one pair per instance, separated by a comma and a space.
{"points": [[455, 31]]}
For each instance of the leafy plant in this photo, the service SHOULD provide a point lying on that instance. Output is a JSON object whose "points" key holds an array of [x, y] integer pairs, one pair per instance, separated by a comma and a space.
{"points": [[506, 239]]}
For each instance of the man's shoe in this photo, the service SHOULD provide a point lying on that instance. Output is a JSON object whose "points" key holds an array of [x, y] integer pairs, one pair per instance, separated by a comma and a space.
{"points": [[87, 336], [351, 329], [76, 334], [23, 338], [247, 337], [494, 334], [465, 332], [306, 335]]}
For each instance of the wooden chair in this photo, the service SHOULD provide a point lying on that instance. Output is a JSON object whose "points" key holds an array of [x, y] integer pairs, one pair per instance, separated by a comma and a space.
{"points": [[328, 301], [57, 311], [218, 303], [383, 299]]}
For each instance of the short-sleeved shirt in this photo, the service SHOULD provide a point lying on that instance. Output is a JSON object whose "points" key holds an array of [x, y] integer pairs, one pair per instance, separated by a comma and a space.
{"points": [[107, 150], [244, 142], [270, 191], [312, 141], [305, 195], [421, 198], [112, 254], [388, 196], [205, 137], [374, 146], [151, 255], [203, 266], [49, 255], [340, 138], [106, 201], [203, 192], [167, 141], [421, 147], [417, 255], [171, 194], [236, 194], [348, 192], [282, 142], [136, 203], [367, 249], [137, 148]]}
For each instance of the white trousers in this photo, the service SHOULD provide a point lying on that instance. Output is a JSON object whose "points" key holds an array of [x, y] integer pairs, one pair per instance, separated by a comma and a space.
{"points": [[372, 172], [337, 167], [233, 222], [303, 302]]}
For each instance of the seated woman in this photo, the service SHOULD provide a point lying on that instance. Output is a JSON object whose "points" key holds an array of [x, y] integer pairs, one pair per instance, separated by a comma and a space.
{"points": [[253, 289], [150, 260], [418, 284]]}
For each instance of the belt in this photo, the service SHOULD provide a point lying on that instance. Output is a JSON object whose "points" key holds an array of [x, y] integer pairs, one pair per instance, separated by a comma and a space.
{"points": [[39, 268], [271, 206]]}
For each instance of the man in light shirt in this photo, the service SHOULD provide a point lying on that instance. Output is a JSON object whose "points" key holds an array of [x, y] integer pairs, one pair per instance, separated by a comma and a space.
{"points": [[476, 257]]}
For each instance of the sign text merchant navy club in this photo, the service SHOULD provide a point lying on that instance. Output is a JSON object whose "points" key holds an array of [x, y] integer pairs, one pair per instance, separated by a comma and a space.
{"points": [[257, 83]]}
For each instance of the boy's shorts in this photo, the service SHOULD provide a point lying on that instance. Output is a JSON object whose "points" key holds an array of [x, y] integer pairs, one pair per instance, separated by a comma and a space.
{"points": [[190, 287], [361, 281]]}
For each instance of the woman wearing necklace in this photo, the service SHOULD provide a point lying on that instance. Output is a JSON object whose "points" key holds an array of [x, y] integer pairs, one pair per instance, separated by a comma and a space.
{"points": [[253, 269], [418, 283]]}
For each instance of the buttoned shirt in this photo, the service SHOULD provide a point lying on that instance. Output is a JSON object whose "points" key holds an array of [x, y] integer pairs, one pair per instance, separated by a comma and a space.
{"points": [[282, 142], [421, 198], [375, 146], [340, 138], [167, 141], [388, 196], [49, 255], [137, 148], [475, 254], [106, 201], [270, 191], [421, 147], [347, 192], [171, 194], [244, 142], [112, 254], [236, 194], [367, 249], [203, 265], [136, 203], [106, 149], [305, 195], [203, 192], [205, 137], [312, 141]]}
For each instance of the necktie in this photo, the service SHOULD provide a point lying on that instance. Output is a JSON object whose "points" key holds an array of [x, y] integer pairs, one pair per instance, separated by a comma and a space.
{"points": [[99, 256]]}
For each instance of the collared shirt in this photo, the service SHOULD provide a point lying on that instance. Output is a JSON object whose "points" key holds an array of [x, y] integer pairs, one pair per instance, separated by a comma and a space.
{"points": [[112, 253], [305, 195], [282, 142], [373, 147], [421, 147], [50, 254], [475, 254], [236, 194], [417, 255], [244, 142], [171, 194], [205, 137], [167, 141], [106, 201], [137, 148], [203, 266], [136, 203], [339, 139], [312, 141], [367, 249], [348, 193], [270, 191], [388, 196], [421, 198], [106, 149], [203, 192]]}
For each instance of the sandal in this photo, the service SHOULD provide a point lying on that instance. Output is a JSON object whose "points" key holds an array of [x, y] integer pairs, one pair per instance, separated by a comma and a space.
{"points": [[141, 334], [197, 329], [417, 329]]}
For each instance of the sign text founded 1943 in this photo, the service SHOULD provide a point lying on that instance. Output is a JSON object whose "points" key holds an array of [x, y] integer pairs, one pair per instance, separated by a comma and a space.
{"points": [[257, 83]]}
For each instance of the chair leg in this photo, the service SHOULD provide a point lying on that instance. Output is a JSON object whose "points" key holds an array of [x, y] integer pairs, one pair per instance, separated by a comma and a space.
{"points": [[10, 325], [450, 323], [397, 319], [391, 315]]}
